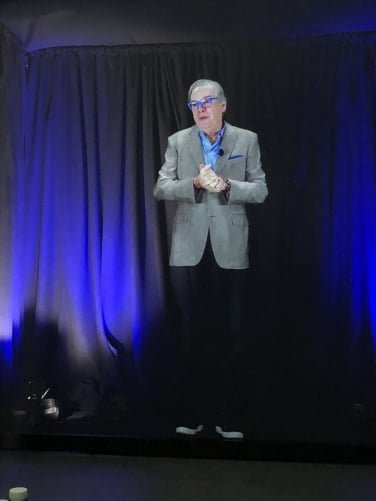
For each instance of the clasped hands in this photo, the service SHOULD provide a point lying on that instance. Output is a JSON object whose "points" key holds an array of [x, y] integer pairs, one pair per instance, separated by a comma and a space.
{"points": [[209, 180]]}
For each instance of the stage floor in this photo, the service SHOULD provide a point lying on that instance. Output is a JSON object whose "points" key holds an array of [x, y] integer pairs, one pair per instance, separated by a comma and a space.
{"points": [[305, 436], [57, 476]]}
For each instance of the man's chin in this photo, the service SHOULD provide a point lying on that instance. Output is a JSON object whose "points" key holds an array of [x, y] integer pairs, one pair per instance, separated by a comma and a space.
{"points": [[204, 126]]}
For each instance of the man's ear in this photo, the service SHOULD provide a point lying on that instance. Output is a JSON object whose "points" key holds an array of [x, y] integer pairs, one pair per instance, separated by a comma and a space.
{"points": [[224, 106]]}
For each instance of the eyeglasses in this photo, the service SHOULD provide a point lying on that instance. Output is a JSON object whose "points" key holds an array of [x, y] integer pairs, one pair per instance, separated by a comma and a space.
{"points": [[204, 103]]}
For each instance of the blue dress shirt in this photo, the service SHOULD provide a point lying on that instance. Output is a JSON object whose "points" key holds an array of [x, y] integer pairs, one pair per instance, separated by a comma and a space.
{"points": [[211, 151]]}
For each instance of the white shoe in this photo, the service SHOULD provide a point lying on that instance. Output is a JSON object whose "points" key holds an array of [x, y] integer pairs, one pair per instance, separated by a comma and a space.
{"points": [[189, 430], [229, 433]]}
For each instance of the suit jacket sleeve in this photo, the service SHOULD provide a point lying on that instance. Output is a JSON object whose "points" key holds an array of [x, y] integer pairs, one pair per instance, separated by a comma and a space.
{"points": [[168, 186], [253, 189]]}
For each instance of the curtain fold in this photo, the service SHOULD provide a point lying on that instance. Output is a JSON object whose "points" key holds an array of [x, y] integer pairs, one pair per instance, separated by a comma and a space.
{"points": [[12, 84]]}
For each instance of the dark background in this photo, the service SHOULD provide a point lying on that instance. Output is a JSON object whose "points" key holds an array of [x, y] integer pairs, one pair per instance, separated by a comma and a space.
{"points": [[54, 23], [90, 93]]}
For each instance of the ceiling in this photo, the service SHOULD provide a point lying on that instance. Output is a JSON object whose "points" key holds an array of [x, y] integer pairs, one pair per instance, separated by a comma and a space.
{"points": [[50, 23]]}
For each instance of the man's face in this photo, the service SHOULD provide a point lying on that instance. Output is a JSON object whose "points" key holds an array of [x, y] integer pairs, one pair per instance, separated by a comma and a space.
{"points": [[209, 119]]}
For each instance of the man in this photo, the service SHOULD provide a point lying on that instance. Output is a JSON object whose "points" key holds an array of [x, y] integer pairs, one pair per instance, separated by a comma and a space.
{"points": [[211, 170]]}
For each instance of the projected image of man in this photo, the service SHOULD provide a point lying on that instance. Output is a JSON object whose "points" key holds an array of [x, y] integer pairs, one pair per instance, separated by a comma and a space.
{"points": [[211, 170]]}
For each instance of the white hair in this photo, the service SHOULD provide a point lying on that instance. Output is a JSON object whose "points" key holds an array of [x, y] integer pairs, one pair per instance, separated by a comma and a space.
{"points": [[204, 83]]}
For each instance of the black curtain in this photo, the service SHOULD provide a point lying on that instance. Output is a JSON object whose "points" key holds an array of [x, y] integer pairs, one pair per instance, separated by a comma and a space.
{"points": [[90, 281], [12, 86]]}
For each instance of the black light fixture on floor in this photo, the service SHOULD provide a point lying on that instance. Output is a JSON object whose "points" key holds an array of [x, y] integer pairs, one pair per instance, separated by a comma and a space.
{"points": [[37, 403]]}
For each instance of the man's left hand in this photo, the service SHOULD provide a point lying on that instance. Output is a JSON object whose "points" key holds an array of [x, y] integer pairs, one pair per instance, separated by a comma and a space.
{"points": [[217, 185]]}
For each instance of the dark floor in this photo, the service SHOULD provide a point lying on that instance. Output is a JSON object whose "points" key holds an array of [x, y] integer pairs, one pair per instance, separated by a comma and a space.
{"points": [[57, 476], [286, 425], [134, 456], [285, 433]]}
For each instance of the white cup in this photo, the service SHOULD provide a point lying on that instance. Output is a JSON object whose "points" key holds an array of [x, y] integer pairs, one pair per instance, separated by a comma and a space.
{"points": [[18, 494]]}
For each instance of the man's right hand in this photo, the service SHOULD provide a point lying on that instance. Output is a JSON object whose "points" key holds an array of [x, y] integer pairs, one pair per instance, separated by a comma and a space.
{"points": [[208, 179]]}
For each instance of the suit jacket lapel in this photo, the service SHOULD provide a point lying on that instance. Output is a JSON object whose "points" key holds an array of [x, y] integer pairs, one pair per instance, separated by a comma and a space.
{"points": [[228, 143], [195, 147]]}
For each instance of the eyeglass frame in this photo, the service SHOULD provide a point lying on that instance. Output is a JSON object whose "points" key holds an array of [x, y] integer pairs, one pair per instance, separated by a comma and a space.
{"points": [[203, 103]]}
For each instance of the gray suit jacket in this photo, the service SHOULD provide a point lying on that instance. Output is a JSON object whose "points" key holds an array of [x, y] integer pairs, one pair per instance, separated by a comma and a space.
{"points": [[201, 213]]}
